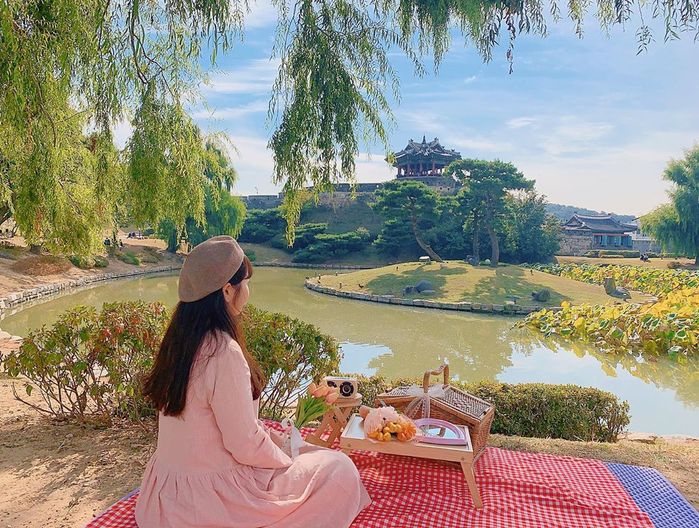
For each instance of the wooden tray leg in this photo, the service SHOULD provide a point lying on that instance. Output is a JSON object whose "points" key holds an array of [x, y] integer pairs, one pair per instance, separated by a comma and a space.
{"points": [[472, 486]]}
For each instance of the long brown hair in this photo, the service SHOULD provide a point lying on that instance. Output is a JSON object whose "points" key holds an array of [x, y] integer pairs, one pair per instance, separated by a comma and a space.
{"points": [[191, 322]]}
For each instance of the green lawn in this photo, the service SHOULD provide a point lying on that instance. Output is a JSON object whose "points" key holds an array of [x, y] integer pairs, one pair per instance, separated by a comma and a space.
{"points": [[457, 281]]}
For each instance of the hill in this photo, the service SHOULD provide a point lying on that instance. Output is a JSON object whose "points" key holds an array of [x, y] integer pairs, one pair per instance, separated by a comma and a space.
{"points": [[565, 212]]}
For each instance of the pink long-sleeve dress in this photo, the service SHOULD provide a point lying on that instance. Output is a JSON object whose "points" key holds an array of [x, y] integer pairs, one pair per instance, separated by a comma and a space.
{"points": [[216, 466]]}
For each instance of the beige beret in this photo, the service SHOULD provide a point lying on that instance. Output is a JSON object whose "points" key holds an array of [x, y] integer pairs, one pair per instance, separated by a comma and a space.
{"points": [[208, 267]]}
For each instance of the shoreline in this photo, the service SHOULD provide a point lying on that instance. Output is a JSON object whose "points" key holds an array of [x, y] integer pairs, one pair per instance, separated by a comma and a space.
{"points": [[465, 306]]}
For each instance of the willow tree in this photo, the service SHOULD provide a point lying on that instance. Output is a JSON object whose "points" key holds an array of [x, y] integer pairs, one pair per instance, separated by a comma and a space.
{"points": [[70, 64], [224, 214], [676, 224]]}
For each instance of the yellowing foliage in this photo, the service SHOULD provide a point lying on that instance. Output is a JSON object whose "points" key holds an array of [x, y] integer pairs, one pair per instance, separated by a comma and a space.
{"points": [[669, 326], [654, 281]]}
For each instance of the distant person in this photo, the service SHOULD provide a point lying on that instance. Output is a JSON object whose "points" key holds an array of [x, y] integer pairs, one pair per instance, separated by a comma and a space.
{"points": [[215, 464], [107, 242]]}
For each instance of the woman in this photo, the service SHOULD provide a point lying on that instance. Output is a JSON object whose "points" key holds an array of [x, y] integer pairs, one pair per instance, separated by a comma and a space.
{"points": [[215, 464]]}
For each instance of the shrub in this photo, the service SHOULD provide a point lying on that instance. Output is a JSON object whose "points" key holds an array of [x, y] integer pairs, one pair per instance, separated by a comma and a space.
{"points": [[149, 258], [150, 255], [626, 253], [328, 246], [538, 410], [592, 254], [291, 354], [674, 265], [90, 365], [100, 261], [250, 254], [82, 262], [129, 257]]}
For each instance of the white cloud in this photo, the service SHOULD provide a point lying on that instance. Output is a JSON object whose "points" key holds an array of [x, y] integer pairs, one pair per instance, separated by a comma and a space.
{"points": [[469, 80], [232, 112], [624, 178], [122, 131], [521, 122], [476, 144], [256, 77], [262, 14], [373, 169], [573, 135]]}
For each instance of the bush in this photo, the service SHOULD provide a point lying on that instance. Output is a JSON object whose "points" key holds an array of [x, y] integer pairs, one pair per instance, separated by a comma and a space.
{"points": [[327, 246], [291, 354], [674, 265], [129, 257], [149, 258], [538, 410], [90, 365], [82, 262], [626, 253], [100, 261], [592, 254], [250, 254]]}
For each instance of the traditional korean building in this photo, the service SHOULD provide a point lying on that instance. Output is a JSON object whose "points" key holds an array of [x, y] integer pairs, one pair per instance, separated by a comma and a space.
{"points": [[425, 162], [586, 232]]}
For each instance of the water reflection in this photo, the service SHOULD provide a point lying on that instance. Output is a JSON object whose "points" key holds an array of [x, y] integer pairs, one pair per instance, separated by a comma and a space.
{"points": [[400, 341]]}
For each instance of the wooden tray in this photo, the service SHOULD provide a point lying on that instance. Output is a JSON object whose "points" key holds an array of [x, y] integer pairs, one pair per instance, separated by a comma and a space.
{"points": [[353, 437]]}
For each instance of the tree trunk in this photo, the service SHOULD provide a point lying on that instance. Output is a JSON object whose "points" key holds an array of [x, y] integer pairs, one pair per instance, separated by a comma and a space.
{"points": [[5, 213], [494, 245], [696, 260], [476, 246], [173, 241], [424, 245]]}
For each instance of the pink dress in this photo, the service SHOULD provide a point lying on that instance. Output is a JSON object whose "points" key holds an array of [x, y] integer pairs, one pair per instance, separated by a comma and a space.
{"points": [[216, 465]]}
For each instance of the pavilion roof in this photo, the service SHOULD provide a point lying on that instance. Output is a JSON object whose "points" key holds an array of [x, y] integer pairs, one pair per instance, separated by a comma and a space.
{"points": [[597, 223], [425, 151]]}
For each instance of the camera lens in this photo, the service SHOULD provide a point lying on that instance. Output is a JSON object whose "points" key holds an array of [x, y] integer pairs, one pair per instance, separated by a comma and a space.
{"points": [[346, 389]]}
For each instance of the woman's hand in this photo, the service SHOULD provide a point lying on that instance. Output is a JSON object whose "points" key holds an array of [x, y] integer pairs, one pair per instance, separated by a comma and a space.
{"points": [[276, 437]]}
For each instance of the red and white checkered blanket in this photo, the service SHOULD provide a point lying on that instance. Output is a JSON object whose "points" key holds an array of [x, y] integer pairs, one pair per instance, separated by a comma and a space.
{"points": [[519, 490]]}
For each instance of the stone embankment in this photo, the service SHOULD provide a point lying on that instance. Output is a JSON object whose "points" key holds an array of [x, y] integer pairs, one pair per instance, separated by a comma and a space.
{"points": [[467, 306], [14, 300], [309, 266]]}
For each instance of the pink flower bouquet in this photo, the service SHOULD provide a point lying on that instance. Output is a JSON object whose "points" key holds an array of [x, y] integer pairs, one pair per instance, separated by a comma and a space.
{"points": [[315, 403]]}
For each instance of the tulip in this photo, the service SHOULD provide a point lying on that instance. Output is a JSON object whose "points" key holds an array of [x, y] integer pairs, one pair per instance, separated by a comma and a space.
{"points": [[311, 388], [321, 391]]}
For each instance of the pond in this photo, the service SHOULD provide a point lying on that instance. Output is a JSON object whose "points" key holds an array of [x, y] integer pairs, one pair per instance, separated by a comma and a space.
{"points": [[398, 341]]}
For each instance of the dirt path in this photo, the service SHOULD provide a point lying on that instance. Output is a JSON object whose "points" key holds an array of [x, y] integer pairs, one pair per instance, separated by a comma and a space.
{"points": [[56, 476]]}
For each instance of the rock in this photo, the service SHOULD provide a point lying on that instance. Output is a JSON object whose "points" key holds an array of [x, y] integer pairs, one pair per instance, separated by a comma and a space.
{"points": [[542, 295], [423, 286], [425, 259], [644, 438]]}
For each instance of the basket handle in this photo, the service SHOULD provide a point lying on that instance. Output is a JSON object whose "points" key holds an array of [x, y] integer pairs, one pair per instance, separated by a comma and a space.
{"points": [[426, 379]]}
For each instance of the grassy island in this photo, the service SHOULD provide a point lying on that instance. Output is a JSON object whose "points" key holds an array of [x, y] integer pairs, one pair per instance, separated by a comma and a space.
{"points": [[456, 281]]}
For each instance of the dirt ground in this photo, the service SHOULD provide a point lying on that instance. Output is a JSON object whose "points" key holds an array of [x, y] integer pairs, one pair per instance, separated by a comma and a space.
{"points": [[12, 281], [59, 476]]}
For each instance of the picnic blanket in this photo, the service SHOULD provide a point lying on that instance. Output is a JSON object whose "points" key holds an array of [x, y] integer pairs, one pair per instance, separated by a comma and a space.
{"points": [[523, 490]]}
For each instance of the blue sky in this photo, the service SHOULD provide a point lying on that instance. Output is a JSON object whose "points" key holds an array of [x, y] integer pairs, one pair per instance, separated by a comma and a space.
{"points": [[592, 122]]}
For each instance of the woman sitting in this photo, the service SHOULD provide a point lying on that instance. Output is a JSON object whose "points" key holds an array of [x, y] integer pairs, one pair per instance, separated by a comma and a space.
{"points": [[215, 464]]}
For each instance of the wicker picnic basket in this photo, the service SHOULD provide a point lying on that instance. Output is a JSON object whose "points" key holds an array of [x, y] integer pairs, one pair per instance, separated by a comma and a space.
{"points": [[455, 406]]}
